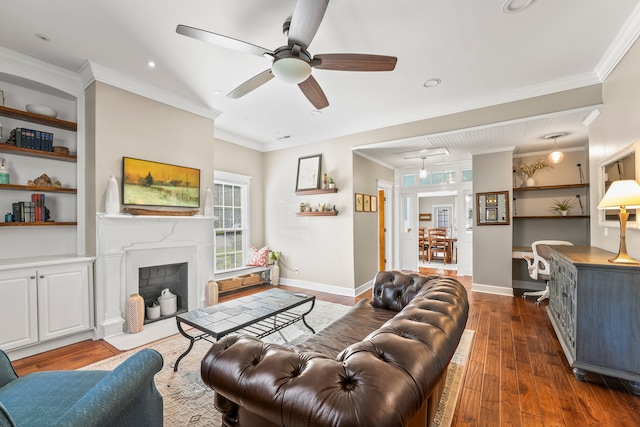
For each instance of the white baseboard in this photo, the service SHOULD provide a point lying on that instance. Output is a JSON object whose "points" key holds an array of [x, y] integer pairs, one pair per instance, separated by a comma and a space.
{"points": [[330, 289], [490, 289]]}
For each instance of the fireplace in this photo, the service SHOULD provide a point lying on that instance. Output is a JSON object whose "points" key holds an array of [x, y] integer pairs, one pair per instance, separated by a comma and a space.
{"points": [[129, 244], [154, 279]]}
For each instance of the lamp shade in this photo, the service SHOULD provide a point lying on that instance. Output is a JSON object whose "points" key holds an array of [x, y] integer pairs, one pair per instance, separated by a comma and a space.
{"points": [[291, 70], [556, 157], [623, 193]]}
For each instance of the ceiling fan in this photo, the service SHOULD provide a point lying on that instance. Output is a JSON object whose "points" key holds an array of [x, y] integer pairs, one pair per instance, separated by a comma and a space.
{"points": [[293, 63]]}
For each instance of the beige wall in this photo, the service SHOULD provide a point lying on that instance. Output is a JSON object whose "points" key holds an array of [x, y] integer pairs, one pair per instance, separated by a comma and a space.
{"points": [[236, 159], [616, 127], [120, 123]]}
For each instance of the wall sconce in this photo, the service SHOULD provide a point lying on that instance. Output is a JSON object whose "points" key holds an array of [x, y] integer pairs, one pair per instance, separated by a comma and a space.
{"points": [[621, 195]]}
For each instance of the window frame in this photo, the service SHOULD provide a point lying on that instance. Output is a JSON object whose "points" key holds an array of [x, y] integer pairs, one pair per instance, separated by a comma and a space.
{"points": [[243, 181]]}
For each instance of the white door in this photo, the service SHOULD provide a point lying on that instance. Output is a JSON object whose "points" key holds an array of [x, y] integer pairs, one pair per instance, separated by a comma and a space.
{"points": [[18, 309], [64, 300], [408, 232]]}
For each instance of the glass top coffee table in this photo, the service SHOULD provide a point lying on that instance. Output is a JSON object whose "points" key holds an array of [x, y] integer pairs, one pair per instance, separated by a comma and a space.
{"points": [[259, 315]]}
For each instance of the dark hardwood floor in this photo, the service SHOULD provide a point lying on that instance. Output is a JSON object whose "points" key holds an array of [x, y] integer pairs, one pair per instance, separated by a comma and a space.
{"points": [[517, 374]]}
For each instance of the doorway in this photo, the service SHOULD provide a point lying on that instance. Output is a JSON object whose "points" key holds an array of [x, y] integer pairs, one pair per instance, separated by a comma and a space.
{"points": [[438, 209]]}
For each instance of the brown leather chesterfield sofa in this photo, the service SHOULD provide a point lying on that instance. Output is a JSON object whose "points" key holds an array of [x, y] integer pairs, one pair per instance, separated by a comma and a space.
{"points": [[382, 364]]}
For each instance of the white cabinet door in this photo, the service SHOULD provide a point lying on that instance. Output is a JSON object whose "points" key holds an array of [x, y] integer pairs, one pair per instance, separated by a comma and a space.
{"points": [[64, 300], [18, 309]]}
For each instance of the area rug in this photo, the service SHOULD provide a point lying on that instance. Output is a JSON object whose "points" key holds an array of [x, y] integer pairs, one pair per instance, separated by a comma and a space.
{"points": [[188, 402]]}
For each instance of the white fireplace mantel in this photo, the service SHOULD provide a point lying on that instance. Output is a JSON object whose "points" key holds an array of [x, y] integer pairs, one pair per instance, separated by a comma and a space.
{"points": [[125, 242]]}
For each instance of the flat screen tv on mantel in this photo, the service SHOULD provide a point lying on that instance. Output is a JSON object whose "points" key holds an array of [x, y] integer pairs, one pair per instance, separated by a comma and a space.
{"points": [[149, 183]]}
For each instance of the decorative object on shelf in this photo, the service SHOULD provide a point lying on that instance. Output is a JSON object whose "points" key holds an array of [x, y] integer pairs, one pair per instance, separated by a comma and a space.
{"points": [[135, 314], [325, 181], [42, 110], [0, 130], [153, 311], [275, 274], [211, 293], [4, 173], [621, 195], [60, 149], [308, 177], [208, 202], [8, 217], [561, 206], [112, 197], [303, 206], [556, 155], [528, 170], [331, 183], [44, 181], [168, 302]]}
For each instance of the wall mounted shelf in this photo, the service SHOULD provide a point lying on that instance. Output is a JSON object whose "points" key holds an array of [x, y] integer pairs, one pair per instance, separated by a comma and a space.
{"points": [[325, 213], [37, 118], [36, 224], [550, 187], [551, 217], [12, 149], [320, 191], [37, 188]]}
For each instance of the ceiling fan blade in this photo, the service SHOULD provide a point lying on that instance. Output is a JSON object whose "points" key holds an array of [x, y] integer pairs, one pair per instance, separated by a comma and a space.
{"points": [[305, 21], [223, 41], [251, 84], [354, 62], [314, 93]]}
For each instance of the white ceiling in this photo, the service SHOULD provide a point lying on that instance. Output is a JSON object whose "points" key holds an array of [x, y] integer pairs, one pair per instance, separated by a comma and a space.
{"points": [[481, 54]]}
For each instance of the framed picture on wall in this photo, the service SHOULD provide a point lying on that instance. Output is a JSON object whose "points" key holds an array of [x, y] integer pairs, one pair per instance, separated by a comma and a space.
{"points": [[359, 202], [491, 214], [374, 204], [367, 203], [309, 173]]}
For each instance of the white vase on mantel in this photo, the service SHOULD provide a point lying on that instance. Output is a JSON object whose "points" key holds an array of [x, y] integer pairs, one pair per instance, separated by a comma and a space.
{"points": [[112, 197], [531, 182], [275, 274]]}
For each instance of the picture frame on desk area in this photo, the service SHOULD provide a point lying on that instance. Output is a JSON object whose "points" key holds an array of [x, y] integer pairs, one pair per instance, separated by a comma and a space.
{"points": [[308, 177]]}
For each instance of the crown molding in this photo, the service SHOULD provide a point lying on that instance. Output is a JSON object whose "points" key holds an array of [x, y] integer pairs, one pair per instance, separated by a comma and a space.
{"points": [[91, 71], [623, 41], [27, 69], [234, 138]]}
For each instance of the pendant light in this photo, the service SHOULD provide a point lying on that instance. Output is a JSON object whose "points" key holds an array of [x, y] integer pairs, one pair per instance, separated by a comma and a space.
{"points": [[556, 155], [423, 171]]}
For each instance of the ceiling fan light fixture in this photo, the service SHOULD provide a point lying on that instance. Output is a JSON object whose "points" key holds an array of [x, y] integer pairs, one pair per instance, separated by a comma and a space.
{"points": [[291, 70]]}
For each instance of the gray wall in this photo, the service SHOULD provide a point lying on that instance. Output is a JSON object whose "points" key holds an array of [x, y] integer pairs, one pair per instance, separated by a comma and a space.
{"points": [[492, 243], [616, 127]]}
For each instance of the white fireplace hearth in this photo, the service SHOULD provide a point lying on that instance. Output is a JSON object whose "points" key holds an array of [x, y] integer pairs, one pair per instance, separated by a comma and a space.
{"points": [[127, 243]]}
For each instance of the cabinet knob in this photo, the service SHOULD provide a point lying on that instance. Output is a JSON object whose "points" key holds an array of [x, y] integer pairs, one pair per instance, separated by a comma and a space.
{"points": [[32, 277], [42, 276]]}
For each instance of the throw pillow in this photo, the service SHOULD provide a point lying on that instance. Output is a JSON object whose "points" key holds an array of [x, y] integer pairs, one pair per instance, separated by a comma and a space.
{"points": [[258, 257]]}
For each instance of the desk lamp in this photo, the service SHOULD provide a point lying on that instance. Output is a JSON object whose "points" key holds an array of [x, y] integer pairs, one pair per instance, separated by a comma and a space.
{"points": [[621, 195]]}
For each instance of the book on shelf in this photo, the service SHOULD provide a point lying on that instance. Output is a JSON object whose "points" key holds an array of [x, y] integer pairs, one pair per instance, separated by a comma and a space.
{"points": [[34, 139]]}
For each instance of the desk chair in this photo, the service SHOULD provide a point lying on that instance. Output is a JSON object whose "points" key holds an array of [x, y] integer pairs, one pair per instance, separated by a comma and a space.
{"points": [[539, 268]]}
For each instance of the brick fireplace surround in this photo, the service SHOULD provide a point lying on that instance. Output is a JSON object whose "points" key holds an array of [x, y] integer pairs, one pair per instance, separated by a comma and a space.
{"points": [[127, 243]]}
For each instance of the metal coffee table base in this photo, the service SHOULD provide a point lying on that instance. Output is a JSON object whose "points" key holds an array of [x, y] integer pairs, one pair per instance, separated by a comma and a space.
{"points": [[267, 324]]}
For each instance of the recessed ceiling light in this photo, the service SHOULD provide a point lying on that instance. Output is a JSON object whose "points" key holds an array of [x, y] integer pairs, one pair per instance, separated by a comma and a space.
{"points": [[151, 64], [216, 92], [43, 37], [432, 83], [515, 6]]}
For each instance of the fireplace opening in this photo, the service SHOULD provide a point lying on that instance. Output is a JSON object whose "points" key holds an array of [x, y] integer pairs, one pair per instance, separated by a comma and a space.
{"points": [[154, 279]]}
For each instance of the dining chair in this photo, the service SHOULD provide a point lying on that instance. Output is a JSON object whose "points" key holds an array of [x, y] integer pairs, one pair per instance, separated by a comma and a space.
{"points": [[437, 241]]}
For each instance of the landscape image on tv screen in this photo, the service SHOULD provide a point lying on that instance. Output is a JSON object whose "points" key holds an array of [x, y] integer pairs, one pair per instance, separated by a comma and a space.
{"points": [[151, 183]]}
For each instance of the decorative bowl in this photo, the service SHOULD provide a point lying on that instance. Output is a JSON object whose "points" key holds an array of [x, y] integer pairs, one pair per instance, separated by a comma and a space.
{"points": [[42, 110]]}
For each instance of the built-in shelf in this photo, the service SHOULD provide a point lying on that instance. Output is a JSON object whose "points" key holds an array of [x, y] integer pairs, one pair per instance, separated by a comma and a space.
{"points": [[37, 188], [324, 213], [319, 191], [37, 118], [550, 217], [8, 148], [36, 224], [550, 187]]}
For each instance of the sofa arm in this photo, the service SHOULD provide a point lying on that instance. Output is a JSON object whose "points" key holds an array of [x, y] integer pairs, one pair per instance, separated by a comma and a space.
{"points": [[392, 290], [115, 391]]}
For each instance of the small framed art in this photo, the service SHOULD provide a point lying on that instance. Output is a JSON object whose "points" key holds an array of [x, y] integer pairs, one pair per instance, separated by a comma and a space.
{"points": [[359, 202], [308, 177]]}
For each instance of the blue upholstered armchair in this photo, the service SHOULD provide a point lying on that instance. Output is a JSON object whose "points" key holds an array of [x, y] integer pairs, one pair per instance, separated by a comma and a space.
{"points": [[126, 396]]}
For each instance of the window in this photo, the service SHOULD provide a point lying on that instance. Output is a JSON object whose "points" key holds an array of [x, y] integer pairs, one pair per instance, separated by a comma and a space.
{"points": [[230, 208]]}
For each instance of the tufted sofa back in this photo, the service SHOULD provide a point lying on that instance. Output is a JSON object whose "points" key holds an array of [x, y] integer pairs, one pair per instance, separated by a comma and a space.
{"points": [[384, 379]]}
